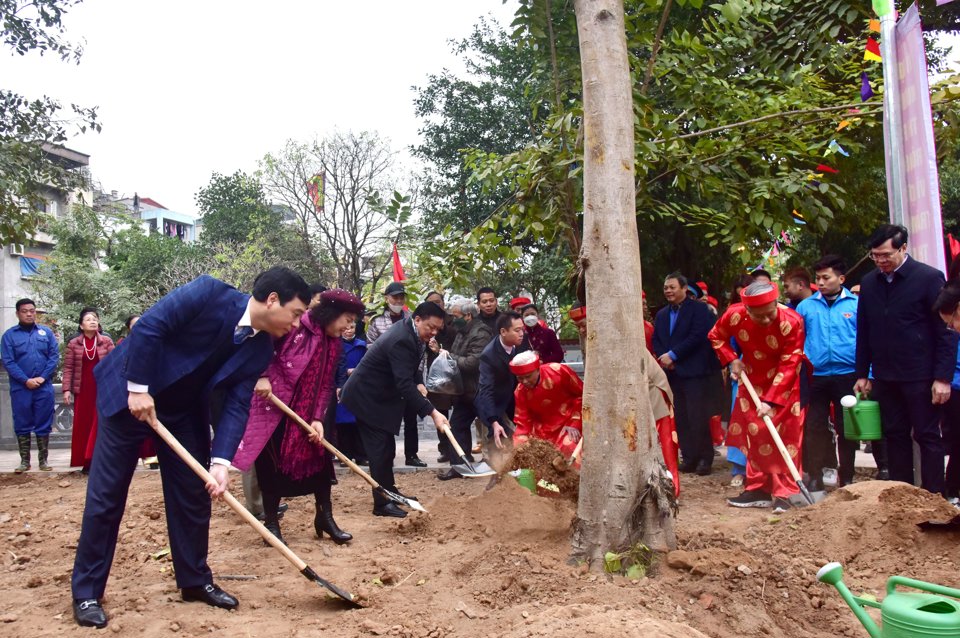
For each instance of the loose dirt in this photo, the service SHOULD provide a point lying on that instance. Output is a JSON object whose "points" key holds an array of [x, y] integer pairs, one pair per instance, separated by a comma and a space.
{"points": [[539, 456], [480, 564]]}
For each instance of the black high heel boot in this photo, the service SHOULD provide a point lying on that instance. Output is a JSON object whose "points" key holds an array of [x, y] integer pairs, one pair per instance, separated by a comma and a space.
{"points": [[274, 528], [324, 523]]}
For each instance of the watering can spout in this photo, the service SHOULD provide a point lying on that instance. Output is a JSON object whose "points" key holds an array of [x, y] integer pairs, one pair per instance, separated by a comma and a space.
{"points": [[832, 574]]}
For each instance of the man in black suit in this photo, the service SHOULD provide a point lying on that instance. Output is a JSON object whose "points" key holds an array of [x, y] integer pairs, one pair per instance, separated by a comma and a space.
{"points": [[683, 350], [383, 385], [494, 400], [203, 337], [911, 352]]}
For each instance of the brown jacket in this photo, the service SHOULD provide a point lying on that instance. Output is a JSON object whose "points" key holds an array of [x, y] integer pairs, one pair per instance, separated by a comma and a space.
{"points": [[73, 360]]}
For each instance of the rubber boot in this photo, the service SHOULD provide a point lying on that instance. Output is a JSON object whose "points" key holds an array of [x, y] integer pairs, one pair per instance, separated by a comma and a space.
{"points": [[324, 522], [23, 444], [43, 449]]}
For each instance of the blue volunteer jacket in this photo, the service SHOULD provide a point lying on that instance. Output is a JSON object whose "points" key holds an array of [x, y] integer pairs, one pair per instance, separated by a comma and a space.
{"points": [[28, 354], [831, 333]]}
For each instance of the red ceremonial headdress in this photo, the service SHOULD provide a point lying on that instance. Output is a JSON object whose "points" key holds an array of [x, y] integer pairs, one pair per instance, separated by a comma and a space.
{"points": [[762, 299], [712, 301], [576, 314], [703, 286], [516, 302], [527, 367]]}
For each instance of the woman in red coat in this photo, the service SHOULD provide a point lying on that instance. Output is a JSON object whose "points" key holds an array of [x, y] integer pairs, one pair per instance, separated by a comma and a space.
{"points": [[83, 353]]}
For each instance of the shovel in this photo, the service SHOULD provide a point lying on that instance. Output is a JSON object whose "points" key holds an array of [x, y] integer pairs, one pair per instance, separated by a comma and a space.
{"points": [[561, 465], [466, 469], [204, 475], [776, 439], [393, 496]]}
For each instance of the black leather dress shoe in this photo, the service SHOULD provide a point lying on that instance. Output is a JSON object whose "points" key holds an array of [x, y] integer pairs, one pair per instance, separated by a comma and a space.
{"points": [[89, 613], [414, 461], [443, 458], [389, 509], [704, 468], [449, 474], [210, 594], [687, 467]]}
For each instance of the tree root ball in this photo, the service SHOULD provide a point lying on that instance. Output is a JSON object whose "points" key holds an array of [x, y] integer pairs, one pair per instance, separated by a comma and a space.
{"points": [[538, 455]]}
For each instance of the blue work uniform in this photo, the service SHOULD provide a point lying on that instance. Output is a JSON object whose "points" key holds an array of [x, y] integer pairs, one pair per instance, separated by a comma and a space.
{"points": [[30, 352]]}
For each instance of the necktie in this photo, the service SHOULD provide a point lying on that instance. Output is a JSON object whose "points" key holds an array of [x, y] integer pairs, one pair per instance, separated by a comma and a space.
{"points": [[242, 333]]}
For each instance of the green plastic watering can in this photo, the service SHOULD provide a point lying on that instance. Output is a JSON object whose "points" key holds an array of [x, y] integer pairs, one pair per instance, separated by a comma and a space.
{"points": [[861, 419], [936, 612]]}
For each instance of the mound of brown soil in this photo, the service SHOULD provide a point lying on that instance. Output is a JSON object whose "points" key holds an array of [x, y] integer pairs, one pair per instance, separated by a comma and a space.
{"points": [[538, 455]]}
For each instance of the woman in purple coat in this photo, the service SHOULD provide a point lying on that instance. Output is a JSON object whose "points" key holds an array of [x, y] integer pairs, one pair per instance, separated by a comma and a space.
{"points": [[302, 374]]}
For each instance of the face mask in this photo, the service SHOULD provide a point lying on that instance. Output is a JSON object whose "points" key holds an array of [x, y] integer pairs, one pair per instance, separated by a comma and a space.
{"points": [[395, 308], [459, 323], [531, 320]]}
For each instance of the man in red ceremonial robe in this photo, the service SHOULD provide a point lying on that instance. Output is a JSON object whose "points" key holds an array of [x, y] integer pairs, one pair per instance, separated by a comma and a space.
{"points": [[549, 400], [770, 336]]}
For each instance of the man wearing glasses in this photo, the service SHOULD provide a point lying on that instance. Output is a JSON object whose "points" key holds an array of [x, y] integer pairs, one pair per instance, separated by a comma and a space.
{"points": [[911, 352]]}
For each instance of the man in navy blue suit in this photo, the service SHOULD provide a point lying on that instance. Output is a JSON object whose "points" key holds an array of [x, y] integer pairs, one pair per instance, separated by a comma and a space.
{"points": [[904, 345], [495, 400], [683, 350], [202, 337]]}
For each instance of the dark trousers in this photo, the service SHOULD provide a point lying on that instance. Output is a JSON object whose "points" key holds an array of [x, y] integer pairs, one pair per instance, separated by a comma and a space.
{"points": [[951, 440], [185, 497], [906, 409], [381, 448], [461, 424], [819, 450], [411, 441], [694, 402], [348, 437]]}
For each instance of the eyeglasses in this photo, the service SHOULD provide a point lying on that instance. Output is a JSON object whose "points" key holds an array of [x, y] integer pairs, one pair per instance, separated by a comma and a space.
{"points": [[884, 256]]}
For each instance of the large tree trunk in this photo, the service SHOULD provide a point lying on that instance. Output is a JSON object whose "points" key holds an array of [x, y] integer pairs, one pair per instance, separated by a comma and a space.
{"points": [[623, 499]]}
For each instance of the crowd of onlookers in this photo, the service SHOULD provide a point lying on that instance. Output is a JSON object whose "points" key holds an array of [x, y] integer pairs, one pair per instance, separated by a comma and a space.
{"points": [[887, 338]]}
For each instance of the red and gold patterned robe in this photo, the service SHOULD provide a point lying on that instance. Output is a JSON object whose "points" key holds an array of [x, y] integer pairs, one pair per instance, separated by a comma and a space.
{"points": [[555, 403], [772, 359]]}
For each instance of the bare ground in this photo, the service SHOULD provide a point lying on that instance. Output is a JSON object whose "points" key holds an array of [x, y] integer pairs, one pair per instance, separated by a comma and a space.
{"points": [[480, 564]]}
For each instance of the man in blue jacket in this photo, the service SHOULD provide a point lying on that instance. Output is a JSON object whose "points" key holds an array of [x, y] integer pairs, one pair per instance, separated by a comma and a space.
{"points": [[683, 350], [830, 323], [203, 337], [912, 353], [30, 355]]}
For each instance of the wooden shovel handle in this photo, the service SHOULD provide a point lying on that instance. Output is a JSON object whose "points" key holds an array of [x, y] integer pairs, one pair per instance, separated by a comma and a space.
{"points": [[309, 430], [453, 440], [771, 428], [237, 507]]}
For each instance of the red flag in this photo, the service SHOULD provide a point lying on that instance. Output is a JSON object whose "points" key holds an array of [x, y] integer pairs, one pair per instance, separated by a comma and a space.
{"points": [[872, 51], [397, 266], [823, 168], [954, 246]]}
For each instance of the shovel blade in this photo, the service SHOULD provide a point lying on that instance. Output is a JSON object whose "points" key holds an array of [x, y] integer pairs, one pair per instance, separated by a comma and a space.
{"points": [[340, 593], [402, 500], [474, 470]]}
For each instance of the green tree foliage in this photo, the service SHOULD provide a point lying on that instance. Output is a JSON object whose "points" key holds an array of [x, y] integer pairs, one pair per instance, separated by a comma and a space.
{"points": [[736, 104], [27, 125], [74, 276], [492, 110], [233, 208]]}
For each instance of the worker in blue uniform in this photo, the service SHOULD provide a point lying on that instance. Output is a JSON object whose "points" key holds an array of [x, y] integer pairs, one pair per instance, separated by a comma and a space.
{"points": [[30, 356]]}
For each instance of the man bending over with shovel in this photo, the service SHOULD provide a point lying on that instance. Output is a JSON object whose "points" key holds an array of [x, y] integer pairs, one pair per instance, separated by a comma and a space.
{"points": [[549, 400], [771, 338], [203, 337]]}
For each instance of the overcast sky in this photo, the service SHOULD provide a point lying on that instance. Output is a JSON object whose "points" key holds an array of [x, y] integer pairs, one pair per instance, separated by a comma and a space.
{"points": [[186, 88]]}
